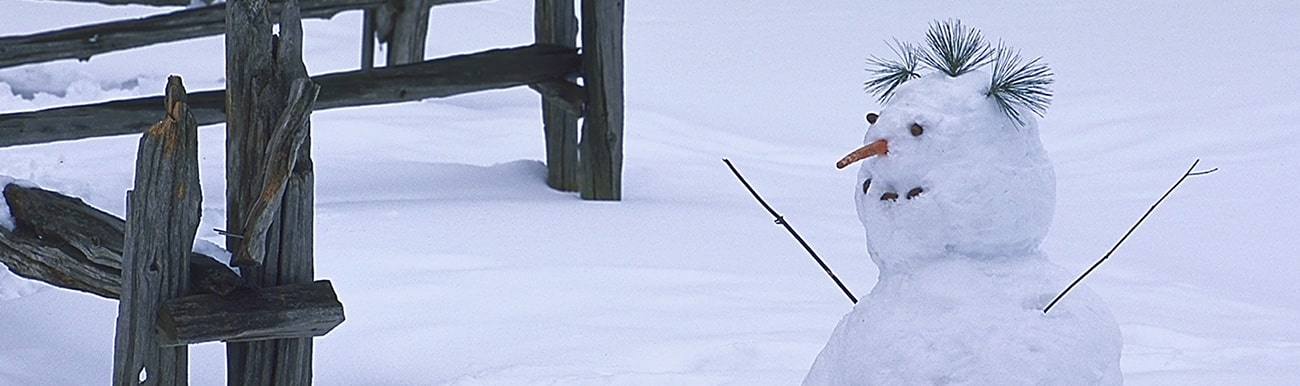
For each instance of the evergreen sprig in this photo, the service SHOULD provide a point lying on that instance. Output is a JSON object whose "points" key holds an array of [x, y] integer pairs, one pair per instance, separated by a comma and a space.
{"points": [[1016, 85], [955, 49], [888, 74]]}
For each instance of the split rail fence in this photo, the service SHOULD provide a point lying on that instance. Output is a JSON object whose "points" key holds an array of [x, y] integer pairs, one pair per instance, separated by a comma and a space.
{"points": [[550, 66], [268, 312]]}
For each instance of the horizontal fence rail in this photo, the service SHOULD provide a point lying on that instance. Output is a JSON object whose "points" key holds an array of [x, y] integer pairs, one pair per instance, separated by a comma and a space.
{"points": [[494, 69], [86, 41]]}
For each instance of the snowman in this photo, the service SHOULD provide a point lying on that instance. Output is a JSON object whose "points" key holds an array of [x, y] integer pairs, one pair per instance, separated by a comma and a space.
{"points": [[956, 194]]}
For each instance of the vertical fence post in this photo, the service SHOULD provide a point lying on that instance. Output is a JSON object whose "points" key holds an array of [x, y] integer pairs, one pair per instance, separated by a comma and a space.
{"points": [[555, 22], [368, 39], [410, 29], [601, 150], [162, 218], [258, 83]]}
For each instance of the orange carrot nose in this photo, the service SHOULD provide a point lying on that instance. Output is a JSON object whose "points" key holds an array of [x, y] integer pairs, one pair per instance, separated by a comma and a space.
{"points": [[878, 147]]}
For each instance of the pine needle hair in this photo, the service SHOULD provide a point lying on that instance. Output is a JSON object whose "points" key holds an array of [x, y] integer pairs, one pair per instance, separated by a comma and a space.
{"points": [[955, 49]]}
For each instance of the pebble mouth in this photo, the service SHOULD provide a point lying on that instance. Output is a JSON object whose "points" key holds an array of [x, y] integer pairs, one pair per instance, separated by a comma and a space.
{"points": [[893, 196], [914, 192]]}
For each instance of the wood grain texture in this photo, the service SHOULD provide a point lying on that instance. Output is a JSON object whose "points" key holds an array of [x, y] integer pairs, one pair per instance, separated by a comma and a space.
{"points": [[287, 137], [63, 241], [286, 241], [410, 29], [301, 310], [555, 22], [163, 211], [601, 149]]}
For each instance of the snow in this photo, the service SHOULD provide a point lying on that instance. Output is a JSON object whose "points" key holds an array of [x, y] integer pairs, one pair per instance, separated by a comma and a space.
{"points": [[457, 265], [6, 217]]}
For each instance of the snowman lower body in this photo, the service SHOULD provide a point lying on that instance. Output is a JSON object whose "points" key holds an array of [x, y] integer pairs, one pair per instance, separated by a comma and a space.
{"points": [[976, 323]]}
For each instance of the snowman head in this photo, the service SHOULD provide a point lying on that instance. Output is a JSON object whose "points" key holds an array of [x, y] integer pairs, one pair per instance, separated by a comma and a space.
{"points": [[952, 166]]}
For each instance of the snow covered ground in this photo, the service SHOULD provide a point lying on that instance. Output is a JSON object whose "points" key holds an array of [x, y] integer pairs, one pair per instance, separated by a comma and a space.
{"points": [[457, 265]]}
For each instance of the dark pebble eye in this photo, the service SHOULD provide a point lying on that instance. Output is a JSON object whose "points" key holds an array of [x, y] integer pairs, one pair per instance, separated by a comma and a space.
{"points": [[917, 130], [871, 118], [866, 185]]}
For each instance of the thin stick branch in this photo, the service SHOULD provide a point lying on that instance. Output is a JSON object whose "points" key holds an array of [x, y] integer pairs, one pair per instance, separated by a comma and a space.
{"points": [[781, 220], [1094, 266]]}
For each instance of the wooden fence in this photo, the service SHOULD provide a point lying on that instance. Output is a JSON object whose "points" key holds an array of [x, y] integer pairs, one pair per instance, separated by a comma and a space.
{"points": [[268, 313], [551, 66]]}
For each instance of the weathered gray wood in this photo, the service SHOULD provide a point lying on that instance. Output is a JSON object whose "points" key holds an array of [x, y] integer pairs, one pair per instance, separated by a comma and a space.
{"points": [[601, 150], [368, 39], [495, 69], [101, 119], [62, 241], [163, 211], [251, 95], [29, 257], [410, 26], [250, 80], [65, 242], [294, 259], [209, 276], [249, 90], [300, 310], [82, 42], [567, 96], [287, 261], [555, 22], [287, 137]]}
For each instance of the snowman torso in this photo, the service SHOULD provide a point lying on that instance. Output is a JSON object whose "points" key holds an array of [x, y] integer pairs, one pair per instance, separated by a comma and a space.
{"points": [[972, 323]]}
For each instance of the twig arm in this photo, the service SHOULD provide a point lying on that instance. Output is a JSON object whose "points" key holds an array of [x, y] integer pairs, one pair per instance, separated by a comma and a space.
{"points": [[781, 220], [1094, 266]]}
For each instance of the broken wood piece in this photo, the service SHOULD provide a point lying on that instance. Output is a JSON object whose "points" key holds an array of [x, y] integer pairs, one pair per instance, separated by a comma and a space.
{"points": [[288, 311], [278, 162]]}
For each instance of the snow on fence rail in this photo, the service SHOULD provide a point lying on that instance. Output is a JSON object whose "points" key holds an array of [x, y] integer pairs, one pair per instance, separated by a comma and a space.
{"points": [[551, 67]]}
